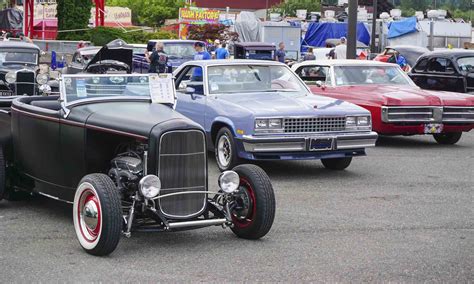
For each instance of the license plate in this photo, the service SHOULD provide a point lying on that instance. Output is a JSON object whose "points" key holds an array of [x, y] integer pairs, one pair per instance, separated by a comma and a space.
{"points": [[433, 128], [6, 93], [321, 144]]}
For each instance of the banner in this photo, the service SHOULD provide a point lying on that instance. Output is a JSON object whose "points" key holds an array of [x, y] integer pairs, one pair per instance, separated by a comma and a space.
{"points": [[198, 15]]}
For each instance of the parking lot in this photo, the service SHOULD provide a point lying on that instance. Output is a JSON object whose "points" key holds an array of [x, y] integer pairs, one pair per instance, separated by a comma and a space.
{"points": [[403, 213]]}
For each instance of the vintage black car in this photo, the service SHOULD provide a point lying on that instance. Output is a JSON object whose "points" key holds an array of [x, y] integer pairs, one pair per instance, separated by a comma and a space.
{"points": [[126, 162], [19, 69], [254, 50], [116, 56], [445, 70]]}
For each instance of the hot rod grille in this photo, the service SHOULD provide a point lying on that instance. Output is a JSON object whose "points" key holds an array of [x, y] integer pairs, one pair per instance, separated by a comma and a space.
{"points": [[314, 124], [182, 166], [25, 83]]}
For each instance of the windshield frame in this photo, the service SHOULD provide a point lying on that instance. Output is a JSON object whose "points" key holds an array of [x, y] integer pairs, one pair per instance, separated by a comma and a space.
{"points": [[21, 50], [364, 66], [268, 64], [68, 105]]}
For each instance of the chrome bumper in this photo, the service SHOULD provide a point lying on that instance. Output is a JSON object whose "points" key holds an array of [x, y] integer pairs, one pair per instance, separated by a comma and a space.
{"points": [[340, 141]]}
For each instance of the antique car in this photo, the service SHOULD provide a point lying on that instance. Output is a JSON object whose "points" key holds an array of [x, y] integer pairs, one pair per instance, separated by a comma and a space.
{"points": [[445, 70], [179, 51], [254, 50], [397, 105], [127, 161], [19, 69], [410, 52], [260, 110], [116, 56]]}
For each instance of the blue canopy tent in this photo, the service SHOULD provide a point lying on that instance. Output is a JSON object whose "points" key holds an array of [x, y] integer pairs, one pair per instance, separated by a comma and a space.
{"points": [[403, 27], [318, 33]]}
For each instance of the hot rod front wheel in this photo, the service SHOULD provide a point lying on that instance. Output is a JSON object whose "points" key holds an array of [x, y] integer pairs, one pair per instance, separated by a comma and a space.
{"points": [[97, 214], [254, 208]]}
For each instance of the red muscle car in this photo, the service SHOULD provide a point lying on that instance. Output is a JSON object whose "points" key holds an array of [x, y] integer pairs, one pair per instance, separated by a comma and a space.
{"points": [[397, 105]]}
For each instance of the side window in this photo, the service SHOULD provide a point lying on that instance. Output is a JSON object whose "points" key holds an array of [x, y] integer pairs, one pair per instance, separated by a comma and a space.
{"points": [[311, 74], [76, 58], [440, 65], [421, 66], [190, 77]]}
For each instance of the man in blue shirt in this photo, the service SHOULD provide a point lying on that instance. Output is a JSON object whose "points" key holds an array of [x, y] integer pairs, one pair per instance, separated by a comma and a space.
{"points": [[201, 54], [222, 52], [280, 53]]}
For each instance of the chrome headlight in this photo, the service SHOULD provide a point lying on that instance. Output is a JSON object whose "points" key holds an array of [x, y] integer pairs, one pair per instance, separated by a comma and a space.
{"points": [[10, 77], [358, 122], [351, 121], [268, 124], [42, 79], [229, 181], [150, 186], [363, 121]]}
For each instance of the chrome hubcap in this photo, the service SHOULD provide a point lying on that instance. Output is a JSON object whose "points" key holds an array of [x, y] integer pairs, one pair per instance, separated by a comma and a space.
{"points": [[90, 214], [224, 150]]}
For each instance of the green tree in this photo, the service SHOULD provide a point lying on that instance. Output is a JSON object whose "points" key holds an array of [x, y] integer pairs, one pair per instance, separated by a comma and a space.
{"points": [[289, 7], [72, 15]]}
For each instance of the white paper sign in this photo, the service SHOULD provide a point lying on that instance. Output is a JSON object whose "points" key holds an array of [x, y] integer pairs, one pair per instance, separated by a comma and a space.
{"points": [[162, 89]]}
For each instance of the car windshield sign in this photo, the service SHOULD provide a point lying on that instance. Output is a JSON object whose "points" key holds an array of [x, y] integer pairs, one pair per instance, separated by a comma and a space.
{"points": [[18, 57], [81, 87], [253, 78], [370, 75]]}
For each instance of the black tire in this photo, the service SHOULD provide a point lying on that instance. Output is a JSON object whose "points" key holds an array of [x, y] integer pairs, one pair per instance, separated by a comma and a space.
{"points": [[259, 219], [97, 190], [233, 159], [447, 138], [2, 174], [337, 164]]}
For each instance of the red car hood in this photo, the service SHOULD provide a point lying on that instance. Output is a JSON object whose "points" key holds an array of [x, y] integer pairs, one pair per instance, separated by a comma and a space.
{"points": [[393, 95]]}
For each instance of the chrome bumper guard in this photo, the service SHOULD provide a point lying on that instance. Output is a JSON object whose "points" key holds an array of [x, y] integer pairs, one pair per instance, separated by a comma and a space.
{"points": [[341, 141], [197, 223]]}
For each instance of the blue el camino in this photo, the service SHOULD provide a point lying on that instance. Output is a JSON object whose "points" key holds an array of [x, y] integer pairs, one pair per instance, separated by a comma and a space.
{"points": [[261, 110]]}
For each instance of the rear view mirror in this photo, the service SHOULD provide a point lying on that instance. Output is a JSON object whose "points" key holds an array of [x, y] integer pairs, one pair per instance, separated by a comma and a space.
{"points": [[189, 90]]}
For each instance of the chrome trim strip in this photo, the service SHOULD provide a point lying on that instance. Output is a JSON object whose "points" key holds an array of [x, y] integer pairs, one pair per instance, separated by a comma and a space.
{"points": [[209, 222], [55, 198]]}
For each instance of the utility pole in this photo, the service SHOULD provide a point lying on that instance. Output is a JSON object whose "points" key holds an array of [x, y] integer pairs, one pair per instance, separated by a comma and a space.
{"points": [[352, 30], [374, 25]]}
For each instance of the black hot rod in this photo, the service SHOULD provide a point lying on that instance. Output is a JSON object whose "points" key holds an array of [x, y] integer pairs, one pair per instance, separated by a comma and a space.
{"points": [[125, 162]]}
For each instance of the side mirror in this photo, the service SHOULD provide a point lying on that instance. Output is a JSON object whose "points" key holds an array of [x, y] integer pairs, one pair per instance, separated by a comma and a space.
{"points": [[189, 90], [319, 83]]}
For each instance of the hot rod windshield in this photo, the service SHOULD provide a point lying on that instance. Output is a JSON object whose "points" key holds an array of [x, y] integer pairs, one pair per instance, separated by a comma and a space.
{"points": [[253, 78], [80, 87], [19, 57]]}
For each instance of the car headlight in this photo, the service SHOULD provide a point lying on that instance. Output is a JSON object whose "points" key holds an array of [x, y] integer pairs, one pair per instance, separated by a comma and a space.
{"points": [[229, 181], [261, 124], [150, 186], [274, 123], [363, 121], [42, 79], [351, 121], [268, 124], [10, 77]]}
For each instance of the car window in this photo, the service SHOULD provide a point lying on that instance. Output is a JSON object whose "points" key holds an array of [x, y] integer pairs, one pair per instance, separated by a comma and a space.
{"points": [[76, 58], [191, 77], [466, 63], [236, 79], [369, 75], [312, 74], [440, 65], [421, 66], [18, 57]]}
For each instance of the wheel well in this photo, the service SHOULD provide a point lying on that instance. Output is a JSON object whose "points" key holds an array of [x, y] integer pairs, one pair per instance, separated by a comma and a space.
{"points": [[215, 129]]}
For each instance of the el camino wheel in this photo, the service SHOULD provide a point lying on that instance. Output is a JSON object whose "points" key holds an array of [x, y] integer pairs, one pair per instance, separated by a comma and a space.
{"points": [[2, 174], [97, 214], [225, 150], [255, 211], [447, 138], [337, 164]]}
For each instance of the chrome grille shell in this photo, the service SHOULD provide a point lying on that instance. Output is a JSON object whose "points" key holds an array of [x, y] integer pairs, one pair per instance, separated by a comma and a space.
{"points": [[182, 166], [427, 114], [458, 114], [314, 124]]}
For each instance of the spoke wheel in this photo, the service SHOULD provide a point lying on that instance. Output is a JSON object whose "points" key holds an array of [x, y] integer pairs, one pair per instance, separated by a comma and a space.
{"points": [[244, 213], [225, 150]]}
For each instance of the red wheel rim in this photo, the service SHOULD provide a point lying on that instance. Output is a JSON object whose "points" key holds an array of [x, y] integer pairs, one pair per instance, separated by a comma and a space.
{"points": [[88, 198], [243, 223]]}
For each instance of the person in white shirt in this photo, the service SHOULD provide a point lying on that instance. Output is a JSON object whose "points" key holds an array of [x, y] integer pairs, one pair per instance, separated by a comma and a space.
{"points": [[341, 49]]}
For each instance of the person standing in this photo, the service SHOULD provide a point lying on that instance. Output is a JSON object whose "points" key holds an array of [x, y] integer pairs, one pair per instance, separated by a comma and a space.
{"points": [[222, 52], [201, 54], [341, 49], [280, 53], [158, 59], [309, 55], [213, 48]]}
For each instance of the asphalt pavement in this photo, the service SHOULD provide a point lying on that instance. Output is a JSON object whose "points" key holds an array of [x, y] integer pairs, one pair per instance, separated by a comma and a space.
{"points": [[403, 213]]}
